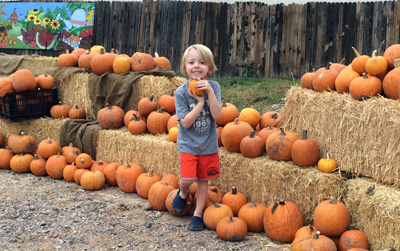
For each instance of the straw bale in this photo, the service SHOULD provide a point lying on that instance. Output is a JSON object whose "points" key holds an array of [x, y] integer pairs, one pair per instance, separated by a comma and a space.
{"points": [[262, 178], [157, 85], [362, 136], [152, 152], [41, 128], [38, 64], [75, 91], [375, 210]]}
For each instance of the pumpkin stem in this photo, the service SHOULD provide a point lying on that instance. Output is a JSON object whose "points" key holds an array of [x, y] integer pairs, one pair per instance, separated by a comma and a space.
{"points": [[73, 164], [135, 117], [236, 121], [224, 104], [374, 53], [316, 235], [356, 52], [230, 219], [396, 63], [101, 51], [67, 51], [253, 202], [35, 156], [161, 109], [332, 200], [252, 134], [151, 97], [150, 173], [216, 204], [304, 134], [310, 228], [342, 61], [214, 189], [234, 190], [156, 54], [172, 92], [45, 74], [282, 132], [49, 141], [274, 115], [276, 204]]}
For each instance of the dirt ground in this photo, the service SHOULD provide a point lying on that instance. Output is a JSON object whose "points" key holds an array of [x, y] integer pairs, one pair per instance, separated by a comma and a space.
{"points": [[41, 213]]}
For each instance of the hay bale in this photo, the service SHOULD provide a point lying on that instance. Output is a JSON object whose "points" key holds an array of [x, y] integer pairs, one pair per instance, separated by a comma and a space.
{"points": [[362, 136], [375, 210], [38, 64], [74, 89], [41, 129], [262, 178]]}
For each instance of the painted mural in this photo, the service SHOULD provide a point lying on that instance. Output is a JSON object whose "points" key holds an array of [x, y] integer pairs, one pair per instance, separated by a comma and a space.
{"points": [[46, 26]]}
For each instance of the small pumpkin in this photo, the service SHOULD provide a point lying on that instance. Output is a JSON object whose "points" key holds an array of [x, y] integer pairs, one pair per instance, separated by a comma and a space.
{"points": [[162, 61], [70, 152], [99, 165], [171, 196], [338, 66], [306, 80], [309, 230], [127, 175], [78, 175], [67, 59], [270, 118], [137, 126], [391, 54], [231, 229], [102, 62], [193, 88], [365, 87], [93, 180], [77, 112], [59, 111], [331, 217], [343, 80], [358, 63], [158, 194], [147, 105], [233, 133], [250, 115], [172, 179], [47, 148], [253, 214], [121, 64], [168, 102], [78, 52], [84, 161], [5, 158], [327, 165], [45, 81], [376, 64], [282, 220], [279, 144], [110, 173], [235, 200], [353, 239], [69, 171], [157, 121], [173, 134], [85, 59], [144, 182], [128, 116], [266, 131], [20, 163], [305, 151], [172, 122], [228, 114], [38, 166], [316, 242], [55, 166], [252, 146], [324, 79], [97, 48], [111, 117], [213, 214]]}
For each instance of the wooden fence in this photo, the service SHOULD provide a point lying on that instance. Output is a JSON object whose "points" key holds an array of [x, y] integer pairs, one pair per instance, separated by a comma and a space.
{"points": [[273, 40]]}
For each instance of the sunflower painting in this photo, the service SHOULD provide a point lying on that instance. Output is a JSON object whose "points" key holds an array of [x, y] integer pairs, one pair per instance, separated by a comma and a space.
{"points": [[45, 25]]}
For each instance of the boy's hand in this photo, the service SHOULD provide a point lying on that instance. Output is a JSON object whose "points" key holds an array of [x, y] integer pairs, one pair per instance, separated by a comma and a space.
{"points": [[203, 85], [200, 99]]}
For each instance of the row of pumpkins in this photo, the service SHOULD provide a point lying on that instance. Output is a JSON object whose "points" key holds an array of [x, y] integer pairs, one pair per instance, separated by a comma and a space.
{"points": [[99, 61], [247, 131], [365, 77], [230, 214]]}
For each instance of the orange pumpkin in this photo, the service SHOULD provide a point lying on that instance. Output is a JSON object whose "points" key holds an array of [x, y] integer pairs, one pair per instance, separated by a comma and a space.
{"points": [[102, 63], [162, 61], [69, 171], [78, 52], [358, 63], [172, 179], [128, 116], [77, 112], [231, 229], [158, 194], [67, 59], [20, 163], [111, 116], [147, 105], [305, 151], [157, 121], [24, 80], [84, 161], [250, 115], [85, 59], [110, 172], [142, 62], [193, 88], [5, 158], [331, 217], [391, 82], [144, 182], [270, 118], [338, 66], [315, 242], [344, 79], [233, 133], [309, 230], [121, 64], [137, 126], [168, 102], [306, 80], [279, 144], [47, 148], [172, 122], [365, 87], [392, 53], [173, 134], [266, 131], [70, 152], [78, 175], [99, 165], [253, 214], [6, 85], [213, 214], [23, 143], [252, 146], [60, 110], [376, 64], [353, 239], [97, 48], [55, 166], [235, 200], [171, 196], [228, 114], [45, 81], [127, 175], [282, 220], [93, 180], [324, 79]]}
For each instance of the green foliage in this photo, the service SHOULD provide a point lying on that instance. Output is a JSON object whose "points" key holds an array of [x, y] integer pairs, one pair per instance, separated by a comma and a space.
{"points": [[261, 93], [248, 69]]}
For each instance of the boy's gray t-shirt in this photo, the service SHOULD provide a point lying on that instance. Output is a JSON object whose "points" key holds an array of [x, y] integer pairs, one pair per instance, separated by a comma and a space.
{"points": [[201, 138]]}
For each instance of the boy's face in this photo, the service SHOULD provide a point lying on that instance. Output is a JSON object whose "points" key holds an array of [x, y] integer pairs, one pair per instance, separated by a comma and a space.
{"points": [[195, 67]]}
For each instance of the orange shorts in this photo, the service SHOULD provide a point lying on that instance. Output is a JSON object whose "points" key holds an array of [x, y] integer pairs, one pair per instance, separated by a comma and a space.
{"points": [[202, 167]]}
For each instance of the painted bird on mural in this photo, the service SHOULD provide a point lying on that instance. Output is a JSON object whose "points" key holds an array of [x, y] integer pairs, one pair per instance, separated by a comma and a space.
{"points": [[28, 36]]}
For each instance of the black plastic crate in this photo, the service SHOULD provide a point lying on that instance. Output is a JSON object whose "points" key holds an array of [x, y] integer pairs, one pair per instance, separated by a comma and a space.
{"points": [[18, 106]]}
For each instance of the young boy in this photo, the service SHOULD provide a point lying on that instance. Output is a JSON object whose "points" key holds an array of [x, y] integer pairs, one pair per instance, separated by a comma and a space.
{"points": [[197, 137]]}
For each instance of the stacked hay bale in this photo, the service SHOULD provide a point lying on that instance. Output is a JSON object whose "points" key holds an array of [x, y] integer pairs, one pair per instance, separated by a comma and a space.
{"points": [[38, 65]]}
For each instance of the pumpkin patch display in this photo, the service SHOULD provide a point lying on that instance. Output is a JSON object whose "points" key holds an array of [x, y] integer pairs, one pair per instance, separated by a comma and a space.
{"points": [[111, 117], [253, 214], [38, 166], [55, 166], [252, 146], [168, 102], [157, 121], [305, 151], [144, 183], [162, 61], [282, 220], [233, 133], [331, 217], [147, 105], [235, 200], [231, 229]]}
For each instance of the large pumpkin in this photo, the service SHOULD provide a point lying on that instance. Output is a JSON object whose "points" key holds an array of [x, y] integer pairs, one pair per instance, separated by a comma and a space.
{"points": [[157, 121], [279, 144], [20, 163], [331, 217], [391, 82], [24, 80], [253, 214], [158, 194], [6, 85], [282, 220], [23, 143], [392, 53], [365, 87], [168, 102], [235, 200], [47, 148], [250, 115], [233, 133], [147, 105], [324, 79], [111, 116], [121, 64], [102, 63], [55, 166], [93, 180], [353, 239], [142, 62]]}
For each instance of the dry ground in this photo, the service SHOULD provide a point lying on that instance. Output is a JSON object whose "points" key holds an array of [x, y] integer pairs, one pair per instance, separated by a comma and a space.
{"points": [[41, 213]]}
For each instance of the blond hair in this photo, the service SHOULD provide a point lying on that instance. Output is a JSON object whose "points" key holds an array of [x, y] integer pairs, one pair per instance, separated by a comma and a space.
{"points": [[205, 54]]}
